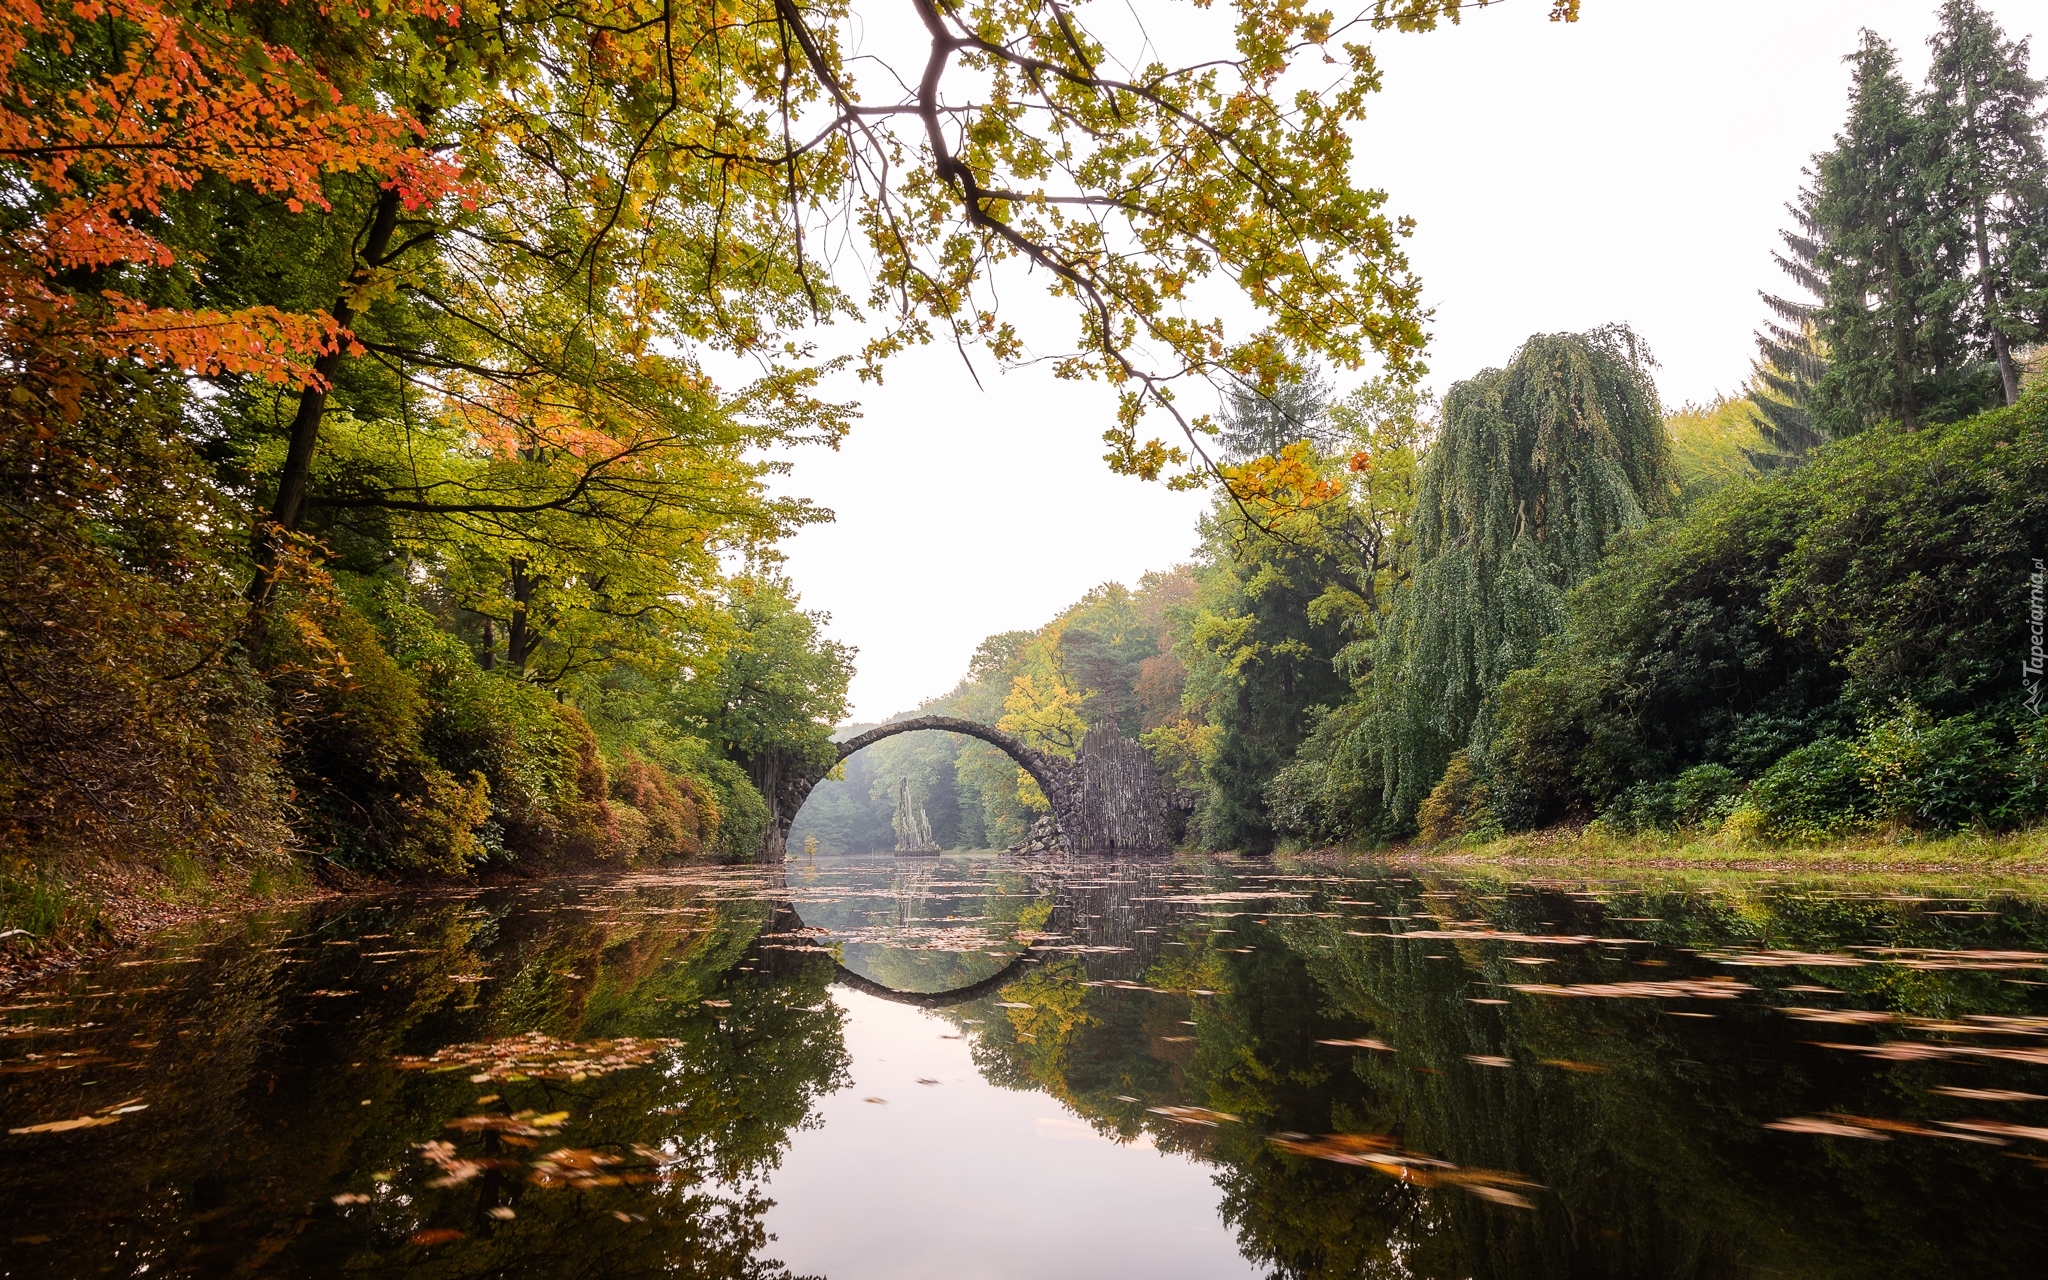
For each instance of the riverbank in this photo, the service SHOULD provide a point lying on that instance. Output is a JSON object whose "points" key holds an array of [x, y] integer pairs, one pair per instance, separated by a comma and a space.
{"points": [[2019, 854], [56, 915]]}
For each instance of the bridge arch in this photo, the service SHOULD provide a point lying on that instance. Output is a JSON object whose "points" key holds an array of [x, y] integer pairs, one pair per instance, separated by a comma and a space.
{"points": [[1056, 776], [1107, 799]]}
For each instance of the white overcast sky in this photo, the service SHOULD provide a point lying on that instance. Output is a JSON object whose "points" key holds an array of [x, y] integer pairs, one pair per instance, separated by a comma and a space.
{"points": [[1631, 167]]}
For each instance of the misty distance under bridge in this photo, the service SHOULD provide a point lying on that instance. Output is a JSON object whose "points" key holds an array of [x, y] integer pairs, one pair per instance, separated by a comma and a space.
{"points": [[1106, 800]]}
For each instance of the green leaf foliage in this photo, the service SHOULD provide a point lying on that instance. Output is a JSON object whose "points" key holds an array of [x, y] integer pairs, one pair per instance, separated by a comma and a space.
{"points": [[1893, 568]]}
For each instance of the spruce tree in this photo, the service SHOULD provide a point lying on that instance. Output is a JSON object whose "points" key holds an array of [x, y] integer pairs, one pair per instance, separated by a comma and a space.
{"points": [[1790, 361], [1260, 424], [1878, 259], [1985, 170], [1538, 466]]}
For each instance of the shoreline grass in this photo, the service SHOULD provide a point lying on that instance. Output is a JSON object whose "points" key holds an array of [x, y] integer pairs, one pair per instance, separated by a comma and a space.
{"points": [[2022, 855]]}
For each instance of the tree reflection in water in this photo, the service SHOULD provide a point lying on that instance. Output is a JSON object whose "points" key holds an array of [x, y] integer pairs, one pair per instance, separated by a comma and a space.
{"points": [[1622, 1047]]}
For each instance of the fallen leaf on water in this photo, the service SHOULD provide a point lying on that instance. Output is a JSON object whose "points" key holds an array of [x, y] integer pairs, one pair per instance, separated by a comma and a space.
{"points": [[1824, 1128], [925, 1080], [65, 1126], [1846, 1126], [502, 1213], [2000, 1128], [879, 1101], [351, 1197], [1783, 959], [335, 994], [435, 1235], [1700, 989], [581, 1168], [1193, 1115], [1343, 1148], [1501, 1195], [1567, 1064], [718, 1004], [1897, 1050], [537, 1056], [1483, 1000], [1362, 1042], [1489, 1060], [1382, 1154], [1989, 1095], [1845, 1016], [1011, 1004]]}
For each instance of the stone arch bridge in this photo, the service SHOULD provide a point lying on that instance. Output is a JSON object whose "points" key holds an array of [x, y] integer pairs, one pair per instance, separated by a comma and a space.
{"points": [[1107, 799]]}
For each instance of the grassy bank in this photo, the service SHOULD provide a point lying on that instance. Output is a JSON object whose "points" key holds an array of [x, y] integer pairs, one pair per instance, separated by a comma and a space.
{"points": [[2019, 854], [56, 912]]}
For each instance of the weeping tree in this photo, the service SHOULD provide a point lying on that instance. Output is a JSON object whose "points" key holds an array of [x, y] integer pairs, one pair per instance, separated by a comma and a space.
{"points": [[1537, 467]]}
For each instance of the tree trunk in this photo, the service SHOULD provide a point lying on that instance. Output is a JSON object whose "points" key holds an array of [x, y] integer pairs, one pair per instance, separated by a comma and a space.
{"points": [[2008, 374], [490, 644], [289, 506], [520, 637], [1902, 364]]}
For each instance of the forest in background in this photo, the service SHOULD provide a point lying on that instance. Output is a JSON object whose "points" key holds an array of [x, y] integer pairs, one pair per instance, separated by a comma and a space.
{"points": [[1806, 611]]}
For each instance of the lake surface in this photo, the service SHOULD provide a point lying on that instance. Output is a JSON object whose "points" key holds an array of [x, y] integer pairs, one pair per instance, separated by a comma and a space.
{"points": [[978, 1067]]}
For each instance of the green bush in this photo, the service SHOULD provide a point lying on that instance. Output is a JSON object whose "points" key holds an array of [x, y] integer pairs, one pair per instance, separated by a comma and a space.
{"points": [[368, 793], [1774, 614], [1942, 775], [1816, 792], [1703, 795], [1332, 788]]}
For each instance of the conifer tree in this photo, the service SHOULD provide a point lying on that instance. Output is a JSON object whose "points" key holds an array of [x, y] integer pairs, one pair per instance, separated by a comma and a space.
{"points": [[1261, 424], [1986, 174], [1538, 466], [1877, 257], [1790, 361]]}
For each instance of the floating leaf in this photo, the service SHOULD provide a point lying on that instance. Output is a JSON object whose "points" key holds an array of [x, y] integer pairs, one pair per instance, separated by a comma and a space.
{"points": [[536, 1056], [1193, 1115], [65, 1126], [436, 1235], [1699, 989]]}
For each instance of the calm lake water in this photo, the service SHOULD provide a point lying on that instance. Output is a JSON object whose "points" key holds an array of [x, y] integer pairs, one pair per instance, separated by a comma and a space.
{"points": [[975, 1067]]}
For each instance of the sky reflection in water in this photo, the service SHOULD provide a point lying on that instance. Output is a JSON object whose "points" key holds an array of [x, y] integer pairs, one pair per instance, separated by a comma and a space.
{"points": [[975, 1067]]}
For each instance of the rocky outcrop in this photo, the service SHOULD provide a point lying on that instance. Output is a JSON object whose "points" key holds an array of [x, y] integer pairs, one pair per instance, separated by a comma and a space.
{"points": [[913, 828], [1043, 838]]}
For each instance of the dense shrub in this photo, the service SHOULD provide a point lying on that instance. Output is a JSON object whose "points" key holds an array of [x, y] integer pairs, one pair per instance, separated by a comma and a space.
{"points": [[1815, 792], [366, 790], [1703, 795], [1331, 790], [657, 812], [1779, 614], [1457, 806], [129, 725]]}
